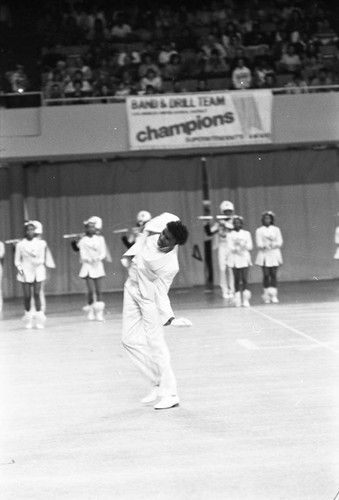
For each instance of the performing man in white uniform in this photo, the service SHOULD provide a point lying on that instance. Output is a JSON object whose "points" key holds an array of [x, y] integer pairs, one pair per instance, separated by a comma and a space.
{"points": [[153, 263]]}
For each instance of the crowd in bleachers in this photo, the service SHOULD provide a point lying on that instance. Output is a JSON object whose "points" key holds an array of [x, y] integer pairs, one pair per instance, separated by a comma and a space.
{"points": [[123, 48]]}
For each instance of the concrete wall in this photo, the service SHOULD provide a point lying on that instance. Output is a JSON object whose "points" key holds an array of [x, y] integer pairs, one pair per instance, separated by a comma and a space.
{"points": [[84, 131]]}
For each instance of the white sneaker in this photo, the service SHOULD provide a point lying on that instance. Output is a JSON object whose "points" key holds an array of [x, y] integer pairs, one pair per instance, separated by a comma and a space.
{"points": [[167, 402], [151, 397]]}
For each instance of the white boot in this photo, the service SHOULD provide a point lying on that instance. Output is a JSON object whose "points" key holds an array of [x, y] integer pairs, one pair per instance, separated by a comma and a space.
{"points": [[40, 320], [246, 296], [266, 296], [28, 319], [237, 299], [91, 315], [99, 308], [274, 295]]}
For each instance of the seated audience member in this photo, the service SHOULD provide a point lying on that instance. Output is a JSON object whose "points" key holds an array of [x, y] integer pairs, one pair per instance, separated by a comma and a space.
{"points": [[290, 62], [84, 86], [174, 68], [261, 69], [98, 32], [121, 30], [151, 79], [211, 44], [123, 89], [55, 92], [146, 64], [216, 65], [104, 91], [177, 87], [270, 81], [55, 79], [236, 48], [78, 92], [322, 79], [241, 76], [202, 85], [297, 85], [18, 79], [167, 50]]}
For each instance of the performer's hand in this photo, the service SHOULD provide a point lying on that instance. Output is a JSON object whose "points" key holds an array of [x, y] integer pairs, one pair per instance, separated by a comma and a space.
{"points": [[169, 321], [181, 322]]}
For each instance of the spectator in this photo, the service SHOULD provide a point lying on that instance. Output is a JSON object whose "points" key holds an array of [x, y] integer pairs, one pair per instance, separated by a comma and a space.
{"points": [[121, 30], [151, 79], [210, 44], [216, 65], [132, 56], [241, 76], [202, 85], [261, 70], [77, 92], [19, 80], [98, 33], [105, 92], [123, 89], [177, 87], [167, 50], [146, 64], [84, 86], [174, 68], [322, 79], [290, 61], [270, 81], [55, 92], [56, 80], [235, 50], [297, 85]]}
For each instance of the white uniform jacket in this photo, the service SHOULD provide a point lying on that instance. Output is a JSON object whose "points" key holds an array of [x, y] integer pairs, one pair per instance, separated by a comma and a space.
{"points": [[336, 241], [151, 270], [92, 253], [30, 258], [269, 241], [240, 245]]}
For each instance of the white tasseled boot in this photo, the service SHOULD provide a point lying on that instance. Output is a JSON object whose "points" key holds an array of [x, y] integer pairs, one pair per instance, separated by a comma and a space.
{"points": [[266, 296], [99, 308], [28, 319], [40, 319], [91, 315], [237, 299], [274, 295], [246, 297]]}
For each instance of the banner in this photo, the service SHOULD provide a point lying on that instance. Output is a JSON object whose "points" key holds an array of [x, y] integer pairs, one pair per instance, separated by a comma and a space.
{"points": [[199, 120]]}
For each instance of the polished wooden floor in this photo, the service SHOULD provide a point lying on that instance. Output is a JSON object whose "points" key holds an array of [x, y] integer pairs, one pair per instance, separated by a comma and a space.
{"points": [[259, 413]]}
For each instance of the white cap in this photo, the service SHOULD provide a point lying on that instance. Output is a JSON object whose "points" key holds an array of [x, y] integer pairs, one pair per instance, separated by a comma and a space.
{"points": [[226, 205], [143, 216], [96, 221], [38, 226]]}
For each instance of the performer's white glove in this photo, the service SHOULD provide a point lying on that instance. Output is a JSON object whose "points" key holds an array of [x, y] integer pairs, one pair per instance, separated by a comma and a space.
{"points": [[181, 322]]}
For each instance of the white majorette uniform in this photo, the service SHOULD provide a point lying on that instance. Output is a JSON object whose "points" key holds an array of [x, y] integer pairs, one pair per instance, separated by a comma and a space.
{"points": [[336, 241], [269, 241], [240, 245], [2, 255], [147, 306], [92, 253], [30, 257]]}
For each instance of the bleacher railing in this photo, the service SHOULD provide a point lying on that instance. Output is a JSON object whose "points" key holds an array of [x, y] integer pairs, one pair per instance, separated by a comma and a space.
{"points": [[37, 99]]}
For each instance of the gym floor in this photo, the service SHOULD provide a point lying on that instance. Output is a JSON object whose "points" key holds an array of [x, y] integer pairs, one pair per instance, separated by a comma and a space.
{"points": [[259, 412]]}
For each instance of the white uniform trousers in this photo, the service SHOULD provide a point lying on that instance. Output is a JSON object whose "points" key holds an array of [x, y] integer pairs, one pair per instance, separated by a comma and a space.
{"points": [[143, 338], [226, 278]]}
